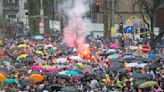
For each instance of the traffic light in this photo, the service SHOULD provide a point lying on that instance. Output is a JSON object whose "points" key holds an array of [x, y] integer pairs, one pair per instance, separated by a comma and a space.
{"points": [[122, 42], [121, 28], [26, 13], [143, 33], [97, 7]]}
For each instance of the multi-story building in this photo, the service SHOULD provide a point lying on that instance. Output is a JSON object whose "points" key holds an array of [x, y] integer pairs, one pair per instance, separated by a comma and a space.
{"points": [[23, 12], [1, 7], [15, 10], [10, 9]]}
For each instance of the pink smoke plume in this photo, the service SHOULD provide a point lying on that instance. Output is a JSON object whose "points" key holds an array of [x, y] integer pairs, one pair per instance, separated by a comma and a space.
{"points": [[75, 32]]}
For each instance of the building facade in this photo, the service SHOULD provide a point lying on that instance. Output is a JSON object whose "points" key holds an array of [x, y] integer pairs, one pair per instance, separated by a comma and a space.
{"points": [[10, 9], [1, 7]]}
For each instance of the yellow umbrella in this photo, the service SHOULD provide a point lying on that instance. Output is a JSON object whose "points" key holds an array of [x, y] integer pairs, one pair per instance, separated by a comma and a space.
{"points": [[2, 77], [22, 56], [39, 52], [36, 77], [148, 84], [22, 46], [80, 65]]}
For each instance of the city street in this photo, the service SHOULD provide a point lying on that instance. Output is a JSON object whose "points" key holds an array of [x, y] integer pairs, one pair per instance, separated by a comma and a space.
{"points": [[81, 46]]}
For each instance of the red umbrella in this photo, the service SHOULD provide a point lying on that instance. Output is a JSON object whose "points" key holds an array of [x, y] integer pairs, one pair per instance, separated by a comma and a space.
{"points": [[52, 70], [1, 52]]}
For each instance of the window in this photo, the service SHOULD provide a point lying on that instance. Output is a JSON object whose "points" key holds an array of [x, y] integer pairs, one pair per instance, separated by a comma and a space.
{"points": [[25, 5], [11, 1]]}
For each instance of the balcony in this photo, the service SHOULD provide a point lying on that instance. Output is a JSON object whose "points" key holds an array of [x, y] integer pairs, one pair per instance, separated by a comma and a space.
{"points": [[11, 8]]}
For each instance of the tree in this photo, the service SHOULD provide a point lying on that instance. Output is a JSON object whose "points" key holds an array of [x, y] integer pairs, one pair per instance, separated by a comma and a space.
{"points": [[34, 7], [149, 10]]}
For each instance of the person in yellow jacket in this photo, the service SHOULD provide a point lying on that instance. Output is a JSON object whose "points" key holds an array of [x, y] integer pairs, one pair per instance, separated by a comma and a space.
{"points": [[119, 84]]}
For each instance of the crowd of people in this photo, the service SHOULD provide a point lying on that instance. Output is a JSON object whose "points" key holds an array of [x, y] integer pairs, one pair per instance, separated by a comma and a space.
{"points": [[45, 64]]}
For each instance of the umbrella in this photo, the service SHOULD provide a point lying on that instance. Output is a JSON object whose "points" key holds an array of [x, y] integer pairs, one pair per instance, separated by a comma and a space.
{"points": [[36, 77], [69, 89], [75, 57], [136, 85], [52, 69], [141, 76], [111, 50], [152, 56], [22, 56], [24, 52], [128, 57], [51, 51], [56, 88], [2, 77], [148, 60], [1, 52], [37, 68], [62, 60], [115, 45], [10, 81], [132, 65], [22, 46], [113, 57], [46, 66], [40, 45], [148, 84], [38, 37], [50, 74], [6, 63], [39, 53], [74, 73]]}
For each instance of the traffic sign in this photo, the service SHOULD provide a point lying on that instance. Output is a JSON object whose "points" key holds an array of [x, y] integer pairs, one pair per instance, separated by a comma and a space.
{"points": [[129, 29], [146, 49], [41, 24]]}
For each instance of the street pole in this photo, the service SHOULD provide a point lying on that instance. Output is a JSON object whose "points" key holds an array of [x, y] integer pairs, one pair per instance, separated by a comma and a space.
{"points": [[113, 12], [41, 14]]}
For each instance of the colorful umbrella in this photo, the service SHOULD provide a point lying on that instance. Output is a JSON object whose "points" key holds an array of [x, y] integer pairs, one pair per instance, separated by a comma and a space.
{"points": [[46, 66], [37, 68], [36, 77], [38, 37], [148, 84], [1, 52], [74, 73], [115, 45], [2, 77], [10, 81], [22, 56], [22, 46], [113, 57], [111, 50], [51, 70], [39, 53]]}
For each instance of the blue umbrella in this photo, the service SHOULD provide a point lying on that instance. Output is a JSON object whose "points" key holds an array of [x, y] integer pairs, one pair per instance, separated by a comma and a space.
{"points": [[6, 63], [74, 73], [10, 81], [129, 57], [38, 37], [153, 56]]}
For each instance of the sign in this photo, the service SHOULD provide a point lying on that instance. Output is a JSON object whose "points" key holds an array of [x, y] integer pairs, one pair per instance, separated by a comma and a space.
{"points": [[146, 49], [129, 29], [113, 30], [41, 27], [41, 30], [41, 24]]}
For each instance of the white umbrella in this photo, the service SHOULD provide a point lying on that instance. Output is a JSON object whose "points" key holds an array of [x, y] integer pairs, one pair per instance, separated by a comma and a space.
{"points": [[61, 60], [75, 57], [111, 50], [132, 65], [133, 47], [142, 65]]}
